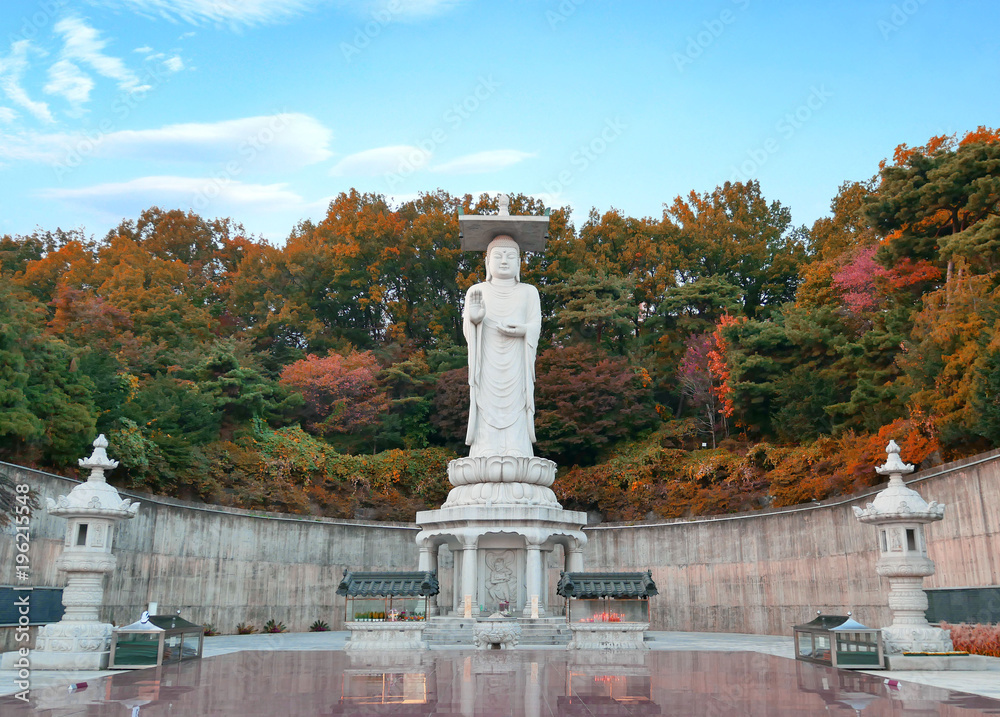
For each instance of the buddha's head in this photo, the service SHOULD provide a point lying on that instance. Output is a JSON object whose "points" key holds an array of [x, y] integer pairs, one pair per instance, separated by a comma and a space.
{"points": [[503, 259]]}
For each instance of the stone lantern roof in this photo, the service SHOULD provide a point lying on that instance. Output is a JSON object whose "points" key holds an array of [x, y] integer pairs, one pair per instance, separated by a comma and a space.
{"points": [[94, 498], [897, 503]]}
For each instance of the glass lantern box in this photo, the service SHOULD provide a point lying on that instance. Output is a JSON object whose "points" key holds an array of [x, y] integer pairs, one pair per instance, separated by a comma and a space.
{"points": [[390, 608], [155, 640], [839, 641], [607, 609]]}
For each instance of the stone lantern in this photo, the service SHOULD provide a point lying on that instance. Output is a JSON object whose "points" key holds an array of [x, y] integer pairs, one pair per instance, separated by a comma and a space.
{"points": [[899, 514], [80, 641]]}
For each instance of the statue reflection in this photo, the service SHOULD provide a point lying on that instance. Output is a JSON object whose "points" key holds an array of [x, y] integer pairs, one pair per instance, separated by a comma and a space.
{"points": [[501, 683]]}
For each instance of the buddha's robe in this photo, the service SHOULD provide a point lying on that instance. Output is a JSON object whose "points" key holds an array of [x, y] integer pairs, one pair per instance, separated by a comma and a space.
{"points": [[502, 371]]}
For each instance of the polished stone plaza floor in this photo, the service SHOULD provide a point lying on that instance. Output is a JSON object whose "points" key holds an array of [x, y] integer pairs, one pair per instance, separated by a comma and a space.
{"points": [[684, 674]]}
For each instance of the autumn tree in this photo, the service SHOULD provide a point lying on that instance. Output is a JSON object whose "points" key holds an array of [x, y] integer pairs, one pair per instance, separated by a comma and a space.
{"points": [[341, 392], [941, 203], [692, 308], [586, 401], [734, 233], [595, 307], [47, 411], [698, 387]]}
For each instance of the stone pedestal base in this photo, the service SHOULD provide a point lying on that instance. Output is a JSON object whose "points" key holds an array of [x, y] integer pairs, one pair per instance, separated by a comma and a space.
{"points": [[608, 636], [83, 661], [522, 536], [383, 636], [70, 646], [956, 661], [915, 638]]}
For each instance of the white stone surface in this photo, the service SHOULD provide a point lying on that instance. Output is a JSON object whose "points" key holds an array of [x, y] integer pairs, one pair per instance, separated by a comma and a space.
{"points": [[608, 635], [382, 636], [504, 633], [501, 322], [477, 231], [80, 641], [501, 519], [899, 514]]}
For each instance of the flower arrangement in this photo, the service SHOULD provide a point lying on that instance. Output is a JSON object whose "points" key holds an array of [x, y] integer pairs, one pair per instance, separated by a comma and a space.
{"points": [[400, 616], [605, 617]]}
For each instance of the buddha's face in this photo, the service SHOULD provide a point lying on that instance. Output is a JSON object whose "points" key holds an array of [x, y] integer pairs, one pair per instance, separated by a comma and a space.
{"points": [[504, 262]]}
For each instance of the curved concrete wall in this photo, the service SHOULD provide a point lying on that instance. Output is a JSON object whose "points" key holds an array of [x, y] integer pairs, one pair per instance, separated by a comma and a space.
{"points": [[753, 573], [218, 565], [765, 572]]}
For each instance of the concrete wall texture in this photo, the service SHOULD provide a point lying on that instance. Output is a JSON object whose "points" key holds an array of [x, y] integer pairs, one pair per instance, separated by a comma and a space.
{"points": [[764, 572], [218, 565], [751, 573]]}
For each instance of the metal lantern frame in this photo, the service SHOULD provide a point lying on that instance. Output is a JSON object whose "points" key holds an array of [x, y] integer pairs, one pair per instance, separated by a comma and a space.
{"points": [[839, 641], [161, 638]]}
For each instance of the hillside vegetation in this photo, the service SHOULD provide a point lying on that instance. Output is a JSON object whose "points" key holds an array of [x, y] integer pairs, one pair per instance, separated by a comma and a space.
{"points": [[711, 360]]}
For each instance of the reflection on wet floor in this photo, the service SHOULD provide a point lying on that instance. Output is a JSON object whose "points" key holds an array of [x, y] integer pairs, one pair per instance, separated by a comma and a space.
{"points": [[501, 684]]}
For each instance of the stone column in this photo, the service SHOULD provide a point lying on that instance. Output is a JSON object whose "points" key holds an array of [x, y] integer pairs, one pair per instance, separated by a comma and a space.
{"points": [[456, 581], [429, 563], [424, 559], [532, 691], [467, 690], [533, 579], [470, 575], [574, 559]]}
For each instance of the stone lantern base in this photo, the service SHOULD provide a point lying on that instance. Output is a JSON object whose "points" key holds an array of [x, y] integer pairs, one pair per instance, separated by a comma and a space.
{"points": [[68, 646], [916, 638]]}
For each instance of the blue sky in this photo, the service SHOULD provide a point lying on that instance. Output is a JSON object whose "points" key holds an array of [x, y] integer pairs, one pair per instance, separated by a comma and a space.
{"points": [[263, 110]]}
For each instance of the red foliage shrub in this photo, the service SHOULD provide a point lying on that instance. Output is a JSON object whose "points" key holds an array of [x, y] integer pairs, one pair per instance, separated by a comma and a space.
{"points": [[975, 639], [341, 392]]}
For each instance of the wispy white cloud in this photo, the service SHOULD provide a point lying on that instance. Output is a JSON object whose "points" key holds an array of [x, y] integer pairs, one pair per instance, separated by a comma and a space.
{"points": [[7, 115], [32, 146], [174, 64], [68, 80], [480, 162], [83, 44], [282, 141], [279, 141], [382, 160], [144, 50], [178, 191], [12, 69], [270, 209], [234, 13], [404, 9], [249, 13]]}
